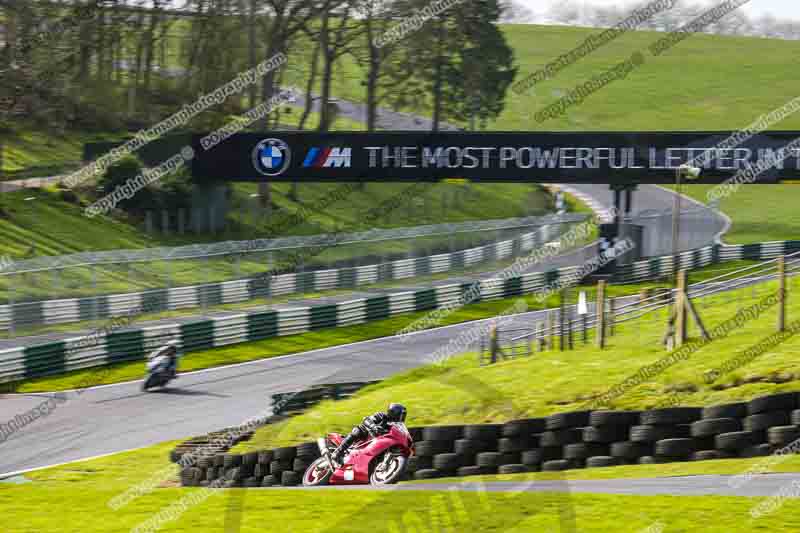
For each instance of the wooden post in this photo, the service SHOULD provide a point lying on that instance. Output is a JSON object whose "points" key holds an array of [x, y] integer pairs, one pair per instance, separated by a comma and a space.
{"points": [[643, 295], [493, 344], [612, 310], [561, 321], [542, 338], [782, 293], [601, 314], [680, 309], [583, 322], [569, 333]]}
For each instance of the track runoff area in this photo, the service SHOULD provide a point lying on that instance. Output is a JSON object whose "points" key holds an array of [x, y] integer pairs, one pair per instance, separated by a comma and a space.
{"points": [[620, 159]]}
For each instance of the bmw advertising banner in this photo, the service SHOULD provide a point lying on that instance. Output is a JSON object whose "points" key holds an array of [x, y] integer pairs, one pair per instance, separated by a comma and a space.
{"points": [[614, 158]]}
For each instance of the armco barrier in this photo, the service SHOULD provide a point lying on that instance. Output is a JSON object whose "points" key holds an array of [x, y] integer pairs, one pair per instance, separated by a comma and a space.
{"points": [[77, 353], [30, 314], [561, 441], [657, 267], [71, 354]]}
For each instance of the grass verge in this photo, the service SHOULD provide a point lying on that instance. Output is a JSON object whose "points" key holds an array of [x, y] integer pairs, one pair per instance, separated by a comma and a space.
{"points": [[76, 497]]}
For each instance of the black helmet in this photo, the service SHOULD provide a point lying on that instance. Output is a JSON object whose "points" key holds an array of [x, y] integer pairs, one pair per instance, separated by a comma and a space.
{"points": [[396, 412]]}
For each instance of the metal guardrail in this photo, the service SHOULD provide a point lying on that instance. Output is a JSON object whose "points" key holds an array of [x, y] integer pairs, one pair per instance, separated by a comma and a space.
{"points": [[105, 348], [662, 266], [224, 248]]}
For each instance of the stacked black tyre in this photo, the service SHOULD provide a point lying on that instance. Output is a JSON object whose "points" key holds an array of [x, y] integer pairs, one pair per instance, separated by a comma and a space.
{"points": [[436, 452], [519, 446], [562, 441], [477, 439], [606, 439], [771, 424], [667, 431]]}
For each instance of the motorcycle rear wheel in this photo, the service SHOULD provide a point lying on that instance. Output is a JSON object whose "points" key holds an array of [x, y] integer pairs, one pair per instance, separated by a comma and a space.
{"points": [[318, 473], [391, 472]]}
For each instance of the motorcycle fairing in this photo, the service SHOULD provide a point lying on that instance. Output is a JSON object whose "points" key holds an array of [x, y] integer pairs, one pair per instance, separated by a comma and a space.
{"points": [[356, 467]]}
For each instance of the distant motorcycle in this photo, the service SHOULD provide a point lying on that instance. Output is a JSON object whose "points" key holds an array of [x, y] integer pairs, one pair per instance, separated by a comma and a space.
{"points": [[378, 460], [161, 367]]}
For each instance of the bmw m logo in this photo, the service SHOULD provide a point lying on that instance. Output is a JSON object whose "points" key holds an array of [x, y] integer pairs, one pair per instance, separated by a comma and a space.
{"points": [[271, 157]]}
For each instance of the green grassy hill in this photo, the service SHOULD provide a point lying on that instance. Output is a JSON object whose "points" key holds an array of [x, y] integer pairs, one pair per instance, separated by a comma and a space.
{"points": [[40, 218], [758, 212], [705, 83], [36, 223]]}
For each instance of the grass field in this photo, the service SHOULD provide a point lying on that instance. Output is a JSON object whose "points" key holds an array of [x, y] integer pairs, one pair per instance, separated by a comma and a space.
{"points": [[74, 498], [759, 213]]}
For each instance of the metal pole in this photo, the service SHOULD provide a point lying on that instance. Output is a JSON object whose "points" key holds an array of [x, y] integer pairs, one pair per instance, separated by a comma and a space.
{"points": [[494, 344], [676, 224]]}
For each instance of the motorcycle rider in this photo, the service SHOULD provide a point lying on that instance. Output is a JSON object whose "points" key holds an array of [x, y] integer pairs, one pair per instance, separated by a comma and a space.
{"points": [[376, 424], [170, 350]]}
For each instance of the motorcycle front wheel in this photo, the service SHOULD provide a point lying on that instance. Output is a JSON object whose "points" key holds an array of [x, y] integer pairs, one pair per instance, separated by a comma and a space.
{"points": [[389, 471], [318, 473]]}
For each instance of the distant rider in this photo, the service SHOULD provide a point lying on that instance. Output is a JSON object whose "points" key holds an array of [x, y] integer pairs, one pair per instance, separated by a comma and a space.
{"points": [[376, 424], [169, 350]]}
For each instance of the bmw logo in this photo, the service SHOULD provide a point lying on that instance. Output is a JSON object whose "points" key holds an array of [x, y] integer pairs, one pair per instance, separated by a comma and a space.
{"points": [[271, 157]]}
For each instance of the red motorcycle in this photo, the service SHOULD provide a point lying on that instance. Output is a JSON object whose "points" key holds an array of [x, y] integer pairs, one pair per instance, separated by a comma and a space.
{"points": [[378, 460]]}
